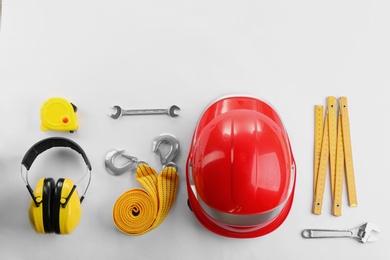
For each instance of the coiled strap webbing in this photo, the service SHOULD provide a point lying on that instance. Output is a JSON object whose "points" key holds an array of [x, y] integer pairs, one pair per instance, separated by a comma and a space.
{"points": [[138, 211]]}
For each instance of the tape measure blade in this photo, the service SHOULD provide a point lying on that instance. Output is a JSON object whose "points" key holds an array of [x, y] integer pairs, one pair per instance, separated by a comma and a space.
{"points": [[322, 169], [332, 125], [318, 129], [338, 185], [349, 171]]}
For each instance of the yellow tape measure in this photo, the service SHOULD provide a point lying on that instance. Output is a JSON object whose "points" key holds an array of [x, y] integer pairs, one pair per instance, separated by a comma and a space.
{"points": [[332, 145]]}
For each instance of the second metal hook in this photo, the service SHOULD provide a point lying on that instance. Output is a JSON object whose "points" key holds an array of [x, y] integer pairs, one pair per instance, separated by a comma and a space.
{"points": [[172, 153]]}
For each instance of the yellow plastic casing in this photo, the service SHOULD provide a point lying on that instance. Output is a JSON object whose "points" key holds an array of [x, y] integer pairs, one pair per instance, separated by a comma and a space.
{"points": [[35, 213], [58, 114], [69, 216]]}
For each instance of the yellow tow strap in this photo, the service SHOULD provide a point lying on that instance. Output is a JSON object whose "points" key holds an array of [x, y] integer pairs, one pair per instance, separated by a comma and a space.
{"points": [[138, 210]]}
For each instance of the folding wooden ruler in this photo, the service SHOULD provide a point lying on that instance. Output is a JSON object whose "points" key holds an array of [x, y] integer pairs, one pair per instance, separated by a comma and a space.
{"points": [[332, 146]]}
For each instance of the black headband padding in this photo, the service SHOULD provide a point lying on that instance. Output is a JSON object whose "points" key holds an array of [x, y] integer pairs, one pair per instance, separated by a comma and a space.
{"points": [[51, 142]]}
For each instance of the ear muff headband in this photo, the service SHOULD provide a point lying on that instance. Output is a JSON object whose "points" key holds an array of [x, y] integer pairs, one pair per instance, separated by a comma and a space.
{"points": [[44, 145], [48, 143]]}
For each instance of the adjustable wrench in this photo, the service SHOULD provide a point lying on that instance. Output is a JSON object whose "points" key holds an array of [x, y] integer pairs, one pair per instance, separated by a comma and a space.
{"points": [[364, 233]]}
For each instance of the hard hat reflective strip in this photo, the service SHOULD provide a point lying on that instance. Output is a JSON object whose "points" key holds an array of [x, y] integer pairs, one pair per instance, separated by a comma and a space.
{"points": [[241, 220], [244, 220], [191, 180]]}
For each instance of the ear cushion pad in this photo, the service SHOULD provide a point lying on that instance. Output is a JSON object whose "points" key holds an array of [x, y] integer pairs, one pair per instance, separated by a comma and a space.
{"points": [[40, 215], [55, 206], [65, 216], [48, 188]]}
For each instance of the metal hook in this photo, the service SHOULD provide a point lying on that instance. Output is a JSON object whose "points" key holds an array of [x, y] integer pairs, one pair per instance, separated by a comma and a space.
{"points": [[115, 170], [173, 152]]}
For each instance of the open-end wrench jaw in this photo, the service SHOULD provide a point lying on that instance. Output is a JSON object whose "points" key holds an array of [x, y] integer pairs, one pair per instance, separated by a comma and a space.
{"points": [[172, 111], [118, 112]]}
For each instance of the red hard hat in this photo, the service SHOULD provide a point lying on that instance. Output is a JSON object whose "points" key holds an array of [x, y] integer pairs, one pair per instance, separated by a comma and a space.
{"points": [[240, 168]]}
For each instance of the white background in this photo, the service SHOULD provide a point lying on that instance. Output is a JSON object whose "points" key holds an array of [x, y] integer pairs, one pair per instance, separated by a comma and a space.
{"points": [[153, 54]]}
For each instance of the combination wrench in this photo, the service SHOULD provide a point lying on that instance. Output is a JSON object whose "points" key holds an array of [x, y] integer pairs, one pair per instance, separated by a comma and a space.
{"points": [[136, 112]]}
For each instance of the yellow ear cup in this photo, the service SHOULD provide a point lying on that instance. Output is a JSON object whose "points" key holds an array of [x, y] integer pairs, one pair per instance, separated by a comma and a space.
{"points": [[36, 213], [69, 216]]}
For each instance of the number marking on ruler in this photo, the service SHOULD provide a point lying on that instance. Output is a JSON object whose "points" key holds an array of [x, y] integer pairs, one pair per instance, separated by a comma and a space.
{"points": [[322, 169], [332, 128], [338, 182], [349, 171], [318, 128]]}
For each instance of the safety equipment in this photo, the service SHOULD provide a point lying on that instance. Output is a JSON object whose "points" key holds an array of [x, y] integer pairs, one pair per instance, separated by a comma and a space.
{"points": [[240, 168], [55, 206]]}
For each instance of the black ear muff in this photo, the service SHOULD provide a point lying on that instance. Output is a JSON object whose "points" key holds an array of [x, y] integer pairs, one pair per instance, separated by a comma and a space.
{"points": [[40, 205], [65, 207], [55, 206], [47, 199]]}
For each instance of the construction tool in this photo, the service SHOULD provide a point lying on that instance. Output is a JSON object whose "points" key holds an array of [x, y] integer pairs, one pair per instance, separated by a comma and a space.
{"points": [[136, 112], [332, 146], [58, 114], [349, 171], [364, 233]]}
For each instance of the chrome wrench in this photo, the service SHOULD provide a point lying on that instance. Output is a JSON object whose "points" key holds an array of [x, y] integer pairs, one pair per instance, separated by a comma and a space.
{"points": [[135, 112], [364, 233]]}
